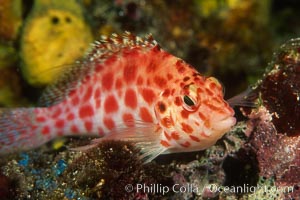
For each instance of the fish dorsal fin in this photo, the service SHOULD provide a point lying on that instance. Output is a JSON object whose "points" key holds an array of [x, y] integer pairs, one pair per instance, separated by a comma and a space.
{"points": [[108, 46], [100, 51], [66, 82]]}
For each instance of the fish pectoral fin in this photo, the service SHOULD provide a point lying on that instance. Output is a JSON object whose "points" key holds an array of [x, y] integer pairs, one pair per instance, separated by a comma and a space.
{"points": [[146, 137], [150, 150], [143, 136]]}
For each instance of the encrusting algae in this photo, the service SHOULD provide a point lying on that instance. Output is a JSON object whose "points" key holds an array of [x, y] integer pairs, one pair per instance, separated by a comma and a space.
{"points": [[274, 125]]}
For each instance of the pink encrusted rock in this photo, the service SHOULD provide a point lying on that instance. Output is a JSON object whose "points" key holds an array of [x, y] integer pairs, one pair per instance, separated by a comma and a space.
{"points": [[274, 126]]}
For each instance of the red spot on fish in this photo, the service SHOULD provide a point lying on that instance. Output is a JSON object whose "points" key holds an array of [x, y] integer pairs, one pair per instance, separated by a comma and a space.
{"points": [[167, 122], [129, 73], [131, 53], [198, 80], [209, 92], [110, 104], [186, 128], [88, 94], [180, 68], [109, 123], [70, 116], [87, 78], [169, 76], [164, 143], [202, 116], [99, 68], [175, 135], [212, 85], [128, 120], [185, 114], [59, 123], [111, 60], [178, 101], [140, 80], [86, 111], [45, 130], [148, 95], [159, 81], [195, 74], [97, 93], [74, 129], [75, 100], [217, 100], [151, 67], [194, 138], [214, 108], [119, 84], [186, 78], [41, 119], [130, 99], [168, 137], [148, 81], [88, 126], [166, 93], [145, 115], [186, 144], [107, 81], [57, 112]]}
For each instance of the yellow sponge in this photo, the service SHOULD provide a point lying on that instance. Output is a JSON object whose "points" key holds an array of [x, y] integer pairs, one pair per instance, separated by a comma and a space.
{"points": [[54, 35]]}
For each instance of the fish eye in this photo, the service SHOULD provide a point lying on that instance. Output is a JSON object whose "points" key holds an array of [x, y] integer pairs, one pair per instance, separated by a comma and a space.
{"points": [[188, 101]]}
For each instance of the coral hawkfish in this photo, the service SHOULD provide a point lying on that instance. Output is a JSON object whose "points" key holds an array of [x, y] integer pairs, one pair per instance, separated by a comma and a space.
{"points": [[126, 88]]}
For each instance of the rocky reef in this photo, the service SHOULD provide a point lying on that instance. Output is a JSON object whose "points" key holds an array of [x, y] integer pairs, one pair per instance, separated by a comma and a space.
{"points": [[274, 125]]}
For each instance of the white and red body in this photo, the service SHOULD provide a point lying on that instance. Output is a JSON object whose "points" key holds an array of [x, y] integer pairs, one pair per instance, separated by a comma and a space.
{"points": [[126, 88]]}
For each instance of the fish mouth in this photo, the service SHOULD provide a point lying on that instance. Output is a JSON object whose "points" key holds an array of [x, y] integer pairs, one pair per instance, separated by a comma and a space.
{"points": [[224, 124]]}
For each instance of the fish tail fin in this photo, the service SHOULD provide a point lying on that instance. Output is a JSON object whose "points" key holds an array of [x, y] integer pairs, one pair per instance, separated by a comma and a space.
{"points": [[19, 130]]}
